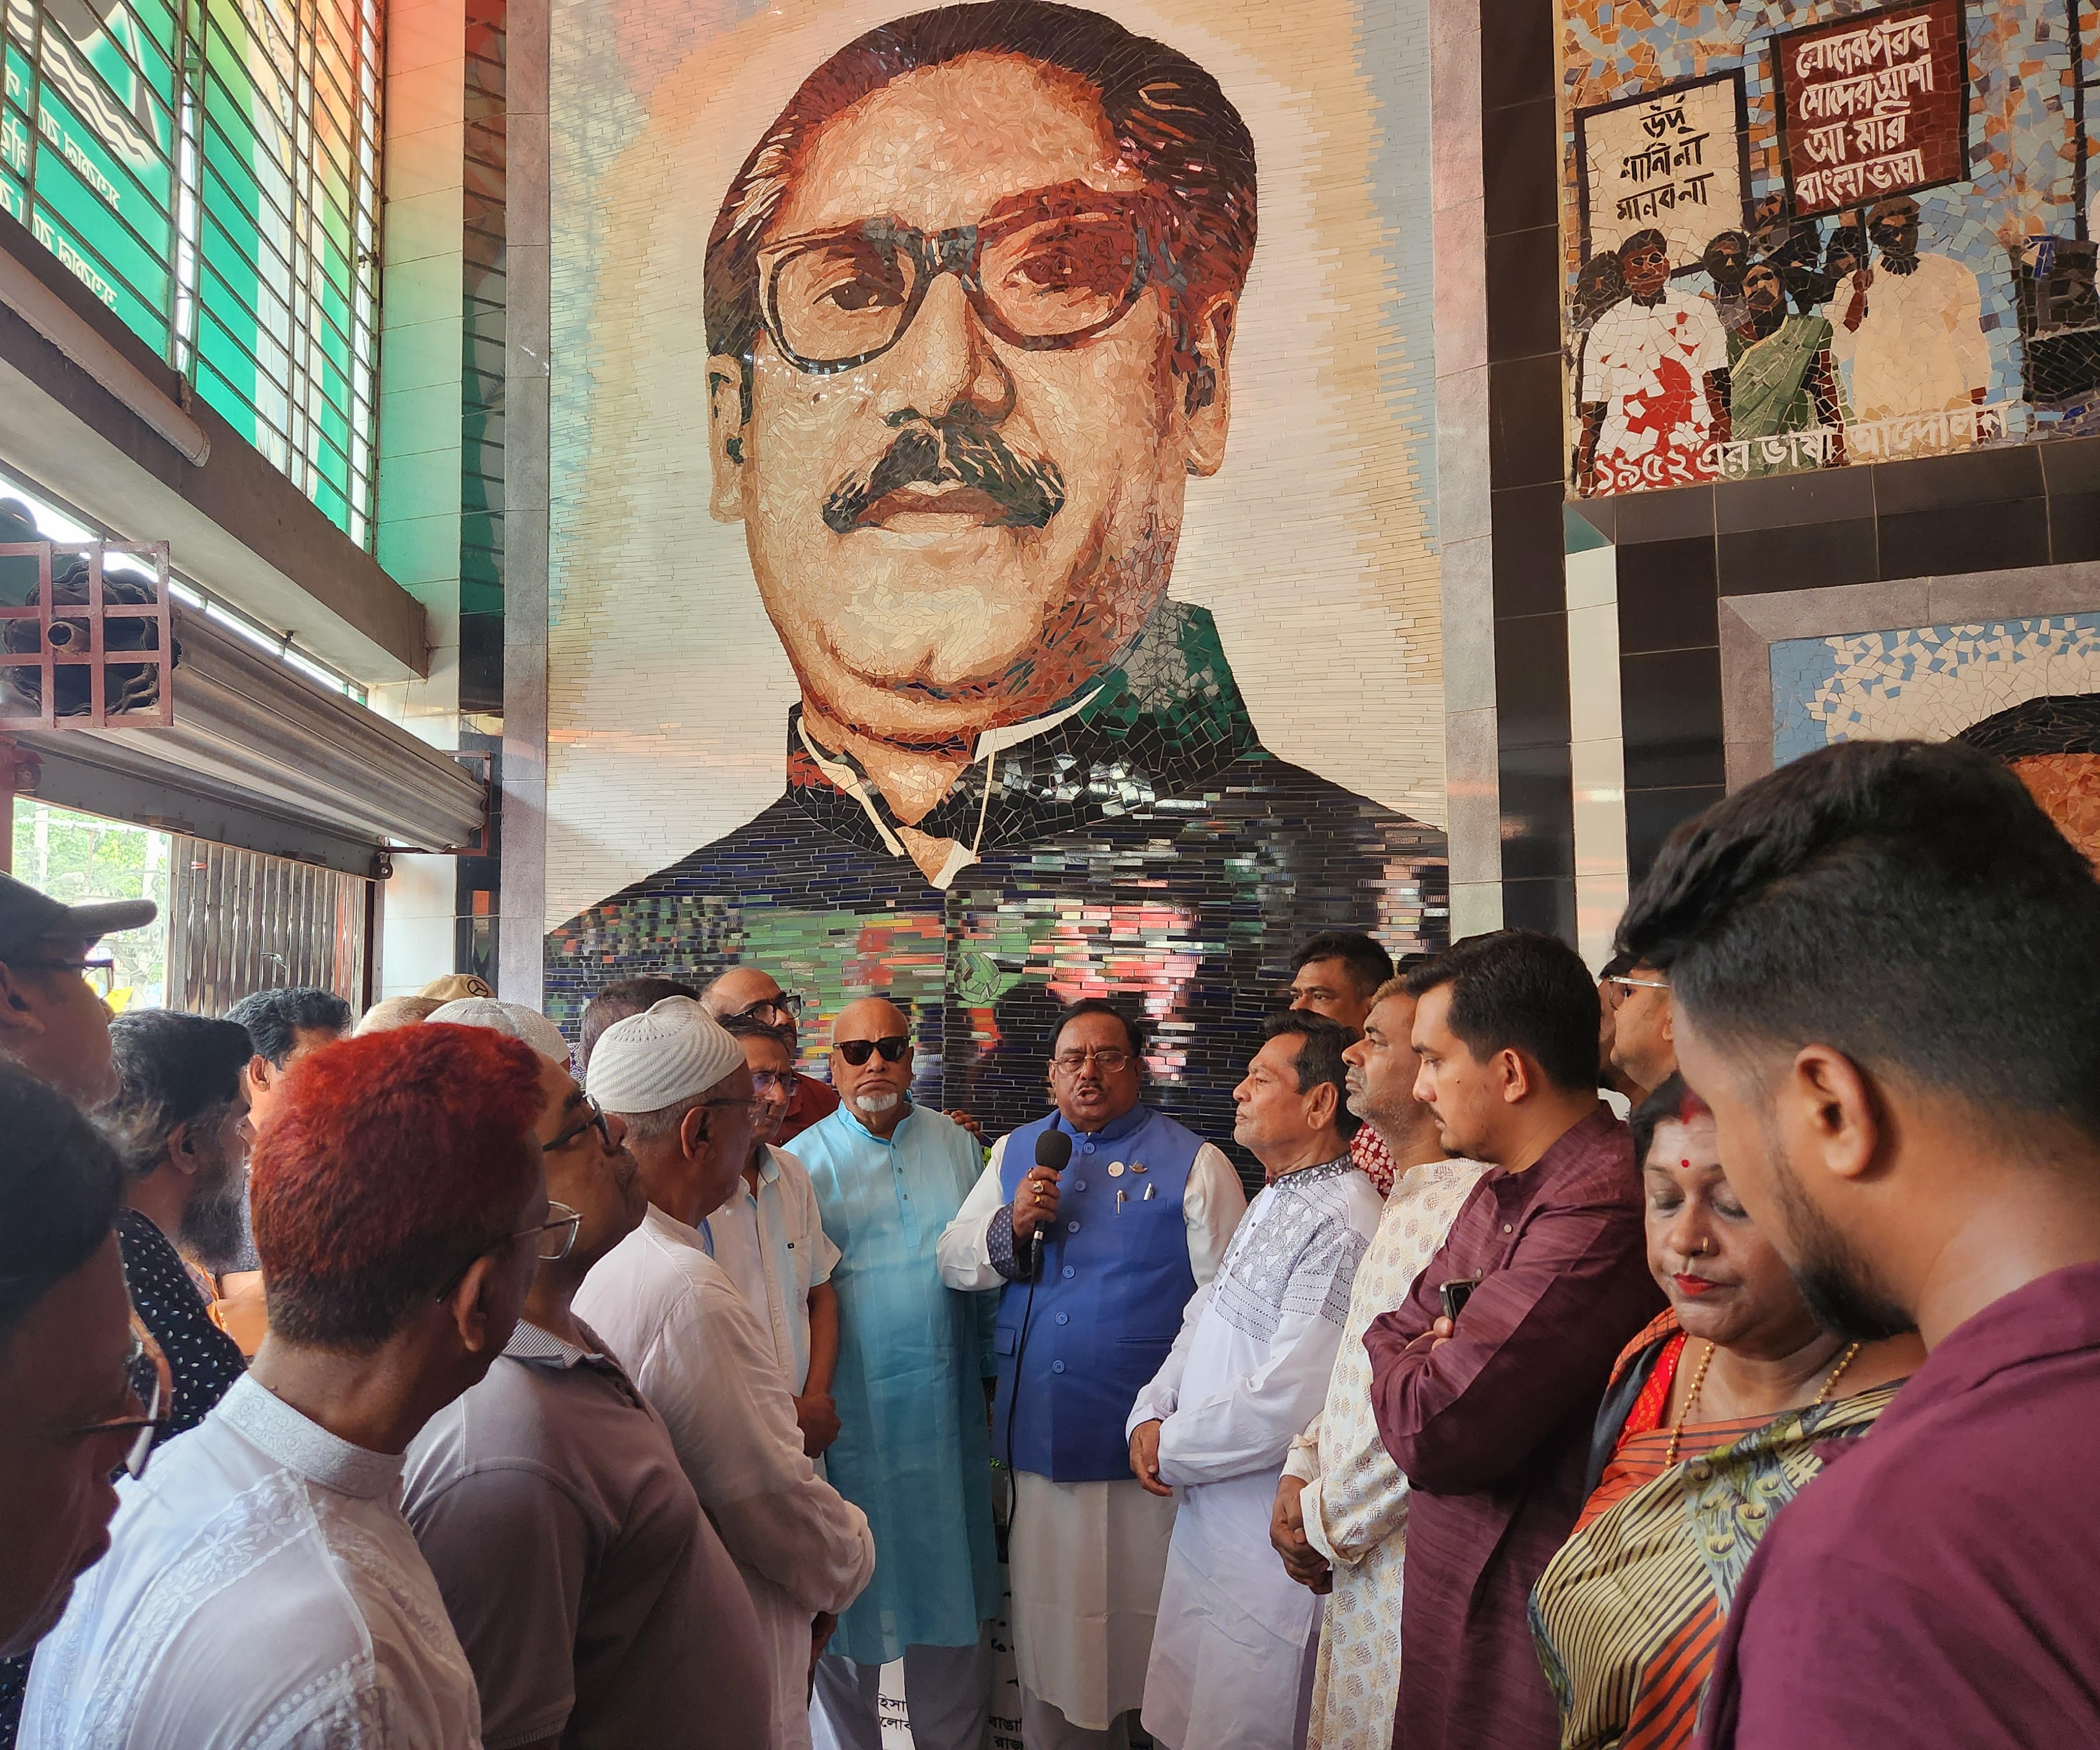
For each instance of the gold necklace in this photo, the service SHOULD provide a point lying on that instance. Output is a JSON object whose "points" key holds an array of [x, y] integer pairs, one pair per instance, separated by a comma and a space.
{"points": [[1699, 1378]]}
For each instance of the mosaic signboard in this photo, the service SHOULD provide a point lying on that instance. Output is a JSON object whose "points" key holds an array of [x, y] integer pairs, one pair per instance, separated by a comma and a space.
{"points": [[1914, 272], [993, 557], [1874, 105], [1674, 161]]}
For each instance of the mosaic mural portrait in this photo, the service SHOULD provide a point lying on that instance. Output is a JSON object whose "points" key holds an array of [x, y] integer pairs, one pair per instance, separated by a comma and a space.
{"points": [[2027, 690], [1806, 234], [925, 353]]}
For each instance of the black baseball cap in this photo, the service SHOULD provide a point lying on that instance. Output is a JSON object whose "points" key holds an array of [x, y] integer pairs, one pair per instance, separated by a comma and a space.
{"points": [[27, 918]]}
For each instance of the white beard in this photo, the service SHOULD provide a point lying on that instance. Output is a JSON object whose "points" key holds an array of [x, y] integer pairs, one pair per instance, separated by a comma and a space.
{"points": [[876, 1102]]}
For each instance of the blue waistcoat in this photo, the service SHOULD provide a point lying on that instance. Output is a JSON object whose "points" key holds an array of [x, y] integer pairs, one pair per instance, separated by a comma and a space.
{"points": [[1115, 1279]]}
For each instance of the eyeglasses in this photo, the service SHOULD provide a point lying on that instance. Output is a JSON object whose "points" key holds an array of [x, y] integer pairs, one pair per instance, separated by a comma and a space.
{"points": [[595, 1114], [1108, 1062], [1636, 984], [1057, 271], [786, 1003], [561, 1227], [147, 1377], [99, 970], [857, 1051], [766, 1080]]}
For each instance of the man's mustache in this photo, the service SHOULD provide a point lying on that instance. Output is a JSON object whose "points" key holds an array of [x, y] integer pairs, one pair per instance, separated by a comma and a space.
{"points": [[1028, 494]]}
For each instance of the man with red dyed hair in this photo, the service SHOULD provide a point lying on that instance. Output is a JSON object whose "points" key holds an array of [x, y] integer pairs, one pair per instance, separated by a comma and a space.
{"points": [[262, 1580]]}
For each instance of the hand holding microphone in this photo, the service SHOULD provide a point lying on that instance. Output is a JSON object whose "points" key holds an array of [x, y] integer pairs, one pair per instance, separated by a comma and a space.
{"points": [[1035, 1202]]}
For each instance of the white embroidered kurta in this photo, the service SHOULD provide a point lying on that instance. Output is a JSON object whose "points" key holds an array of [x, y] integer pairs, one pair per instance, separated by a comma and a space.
{"points": [[262, 1588], [1248, 1371], [773, 1247], [1355, 1501], [1920, 348], [1086, 1560], [686, 1336]]}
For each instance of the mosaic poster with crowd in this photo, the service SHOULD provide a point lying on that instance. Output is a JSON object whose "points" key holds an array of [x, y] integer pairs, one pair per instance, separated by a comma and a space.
{"points": [[992, 564], [1803, 237]]}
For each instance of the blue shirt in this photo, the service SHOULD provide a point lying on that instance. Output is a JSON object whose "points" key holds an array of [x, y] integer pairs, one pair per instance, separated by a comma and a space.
{"points": [[913, 1452]]}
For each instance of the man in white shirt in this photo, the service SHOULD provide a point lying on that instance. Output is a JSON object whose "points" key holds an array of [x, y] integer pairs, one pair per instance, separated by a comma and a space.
{"points": [[1230, 1667], [1340, 1522], [262, 1586], [694, 1345], [770, 1237], [1132, 1230], [1910, 329]]}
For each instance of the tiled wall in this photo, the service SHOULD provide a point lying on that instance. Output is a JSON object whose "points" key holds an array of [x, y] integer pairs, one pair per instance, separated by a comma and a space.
{"points": [[1266, 761]]}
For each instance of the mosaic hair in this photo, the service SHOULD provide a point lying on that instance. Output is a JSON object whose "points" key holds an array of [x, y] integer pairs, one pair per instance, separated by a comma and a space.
{"points": [[1519, 990], [1904, 902], [1169, 116], [172, 1069], [275, 1018], [1322, 1042], [61, 1185], [392, 1163]]}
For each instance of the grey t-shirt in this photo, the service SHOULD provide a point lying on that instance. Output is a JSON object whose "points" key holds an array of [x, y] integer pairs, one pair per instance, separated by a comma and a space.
{"points": [[595, 1603]]}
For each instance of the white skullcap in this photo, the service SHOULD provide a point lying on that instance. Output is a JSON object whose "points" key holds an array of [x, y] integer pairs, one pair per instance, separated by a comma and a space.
{"points": [[652, 1061], [511, 1018]]}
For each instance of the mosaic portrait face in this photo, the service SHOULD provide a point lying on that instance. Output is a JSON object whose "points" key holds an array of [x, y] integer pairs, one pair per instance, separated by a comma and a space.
{"points": [[962, 496]]}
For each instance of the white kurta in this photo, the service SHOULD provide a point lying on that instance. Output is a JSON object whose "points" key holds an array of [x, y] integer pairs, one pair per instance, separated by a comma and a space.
{"points": [[262, 1587], [691, 1343], [773, 1244], [1248, 1371], [1086, 1560], [1355, 1501], [1920, 347]]}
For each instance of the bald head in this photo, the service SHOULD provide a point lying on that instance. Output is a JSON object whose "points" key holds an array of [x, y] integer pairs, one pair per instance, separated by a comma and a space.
{"points": [[874, 1090], [869, 1018], [752, 991]]}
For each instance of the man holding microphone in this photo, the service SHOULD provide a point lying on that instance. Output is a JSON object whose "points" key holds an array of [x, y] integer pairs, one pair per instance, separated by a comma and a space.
{"points": [[1130, 1230]]}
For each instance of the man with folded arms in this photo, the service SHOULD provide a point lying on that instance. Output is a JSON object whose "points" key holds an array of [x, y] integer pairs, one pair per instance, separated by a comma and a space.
{"points": [[1884, 961], [690, 1340], [262, 1585], [595, 1602], [1340, 1522], [1490, 1418], [1230, 1667]]}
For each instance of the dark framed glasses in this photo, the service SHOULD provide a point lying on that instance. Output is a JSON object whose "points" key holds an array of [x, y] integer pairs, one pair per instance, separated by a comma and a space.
{"points": [[146, 1373], [594, 1115], [99, 970], [786, 1006], [1056, 270], [857, 1051]]}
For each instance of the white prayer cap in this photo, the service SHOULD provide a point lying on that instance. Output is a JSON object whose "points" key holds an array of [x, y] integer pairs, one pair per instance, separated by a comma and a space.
{"points": [[652, 1060], [511, 1018]]}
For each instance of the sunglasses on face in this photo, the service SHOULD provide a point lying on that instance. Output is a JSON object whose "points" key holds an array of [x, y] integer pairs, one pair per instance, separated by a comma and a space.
{"points": [[857, 1051]]}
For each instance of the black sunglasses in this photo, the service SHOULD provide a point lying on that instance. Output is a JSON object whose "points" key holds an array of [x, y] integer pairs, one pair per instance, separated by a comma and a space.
{"points": [[856, 1051]]}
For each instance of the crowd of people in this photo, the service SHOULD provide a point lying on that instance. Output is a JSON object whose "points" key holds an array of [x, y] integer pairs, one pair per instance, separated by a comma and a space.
{"points": [[423, 1383]]}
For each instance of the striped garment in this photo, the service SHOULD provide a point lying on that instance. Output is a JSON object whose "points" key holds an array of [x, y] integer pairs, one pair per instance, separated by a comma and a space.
{"points": [[1627, 1616]]}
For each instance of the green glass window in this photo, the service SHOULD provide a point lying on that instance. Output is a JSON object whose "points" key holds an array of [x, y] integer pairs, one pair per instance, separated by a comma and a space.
{"points": [[209, 170]]}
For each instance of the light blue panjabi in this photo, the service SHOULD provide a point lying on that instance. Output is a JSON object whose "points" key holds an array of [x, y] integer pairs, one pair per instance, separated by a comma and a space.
{"points": [[913, 1452]]}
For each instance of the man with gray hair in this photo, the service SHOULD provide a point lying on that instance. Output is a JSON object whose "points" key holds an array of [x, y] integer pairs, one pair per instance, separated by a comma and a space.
{"points": [[693, 1345]]}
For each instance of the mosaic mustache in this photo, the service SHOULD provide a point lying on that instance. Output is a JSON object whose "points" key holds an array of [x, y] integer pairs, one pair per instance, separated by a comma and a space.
{"points": [[1028, 494]]}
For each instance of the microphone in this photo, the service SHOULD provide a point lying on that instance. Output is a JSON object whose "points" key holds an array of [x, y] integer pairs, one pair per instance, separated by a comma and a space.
{"points": [[1053, 1149]]}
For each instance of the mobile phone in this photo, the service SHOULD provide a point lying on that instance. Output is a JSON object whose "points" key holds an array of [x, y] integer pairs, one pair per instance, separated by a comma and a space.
{"points": [[1454, 1294]]}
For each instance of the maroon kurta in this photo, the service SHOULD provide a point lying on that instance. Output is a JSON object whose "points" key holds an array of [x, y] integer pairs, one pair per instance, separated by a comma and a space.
{"points": [[1935, 1585], [1492, 1428], [811, 1101]]}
